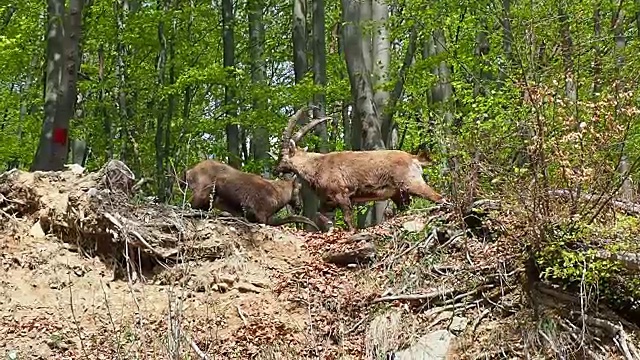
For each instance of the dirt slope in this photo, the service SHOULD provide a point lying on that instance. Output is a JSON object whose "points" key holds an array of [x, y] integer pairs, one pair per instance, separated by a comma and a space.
{"points": [[223, 289]]}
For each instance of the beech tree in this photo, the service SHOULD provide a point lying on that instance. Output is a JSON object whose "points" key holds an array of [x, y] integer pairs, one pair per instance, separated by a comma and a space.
{"points": [[63, 39]]}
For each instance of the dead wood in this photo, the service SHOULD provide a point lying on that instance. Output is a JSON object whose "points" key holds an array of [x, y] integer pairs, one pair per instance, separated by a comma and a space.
{"points": [[630, 261], [626, 206], [416, 297], [361, 255], [94, 212]]}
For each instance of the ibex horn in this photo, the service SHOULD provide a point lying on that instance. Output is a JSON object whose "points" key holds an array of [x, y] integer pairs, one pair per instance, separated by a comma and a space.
{"points": [[305, 129]]}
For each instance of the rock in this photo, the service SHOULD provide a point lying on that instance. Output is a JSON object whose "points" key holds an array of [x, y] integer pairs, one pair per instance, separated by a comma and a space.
{"points": [[458, 324], [246, 287], [433, 346], [383, 335], [413, 226], [12, 355], [36, 231], [221, 287], [355, 238], [75, 168], [360, 255]]}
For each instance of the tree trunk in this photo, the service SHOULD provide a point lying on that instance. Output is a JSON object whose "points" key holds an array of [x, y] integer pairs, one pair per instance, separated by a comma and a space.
{"points": [[128, 146], [300, 68], [507, 40], [441, 93], [597, 53], [320, 79], [481, 51], [381, 61], [366, 38], [232, 130], [166, 191], [160, 117], [63, 40], [571, 89], [102, 108], [626, 190], [299, 39], [260, 139], [367, 129]]}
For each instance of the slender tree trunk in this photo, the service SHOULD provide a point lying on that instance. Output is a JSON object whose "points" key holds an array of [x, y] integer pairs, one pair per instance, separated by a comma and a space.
{"points": [[367, 127], [260, 139], [597, 53], [571, 89], [232, 130], [359, 78], [102, 108], [62, 69], [320, 79], [481, 51], [626, 190], [25, 107], [381, 62], [440, 95], [300, 68], [507, 40], [171, 107], [160, 117], [366, 38], [129, 152], [299, 39]]}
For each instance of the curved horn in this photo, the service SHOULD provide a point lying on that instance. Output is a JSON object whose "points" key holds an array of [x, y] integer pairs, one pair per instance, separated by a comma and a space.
{"points": [[305, 129], [292, 122], [286, 135]]}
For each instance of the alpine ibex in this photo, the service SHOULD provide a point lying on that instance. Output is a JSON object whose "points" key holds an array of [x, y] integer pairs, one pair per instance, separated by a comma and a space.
{"points": [[349, 177], [243, 194]]}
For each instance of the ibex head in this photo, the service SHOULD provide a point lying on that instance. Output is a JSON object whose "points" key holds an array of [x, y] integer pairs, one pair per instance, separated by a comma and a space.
{"points": [[289, 150]]}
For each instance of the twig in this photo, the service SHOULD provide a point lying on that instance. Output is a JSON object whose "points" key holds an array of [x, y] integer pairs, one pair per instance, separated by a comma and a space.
{"points": [[415, 297], [477, 321], [478, 289], [426, 243], [75, 320], [115, 221], [357, 325], [440, 309], [553, 346], [618, 334], [139, 184], [241, 314], [113, 324], [195, 347], [571, 329], [4, 198]]}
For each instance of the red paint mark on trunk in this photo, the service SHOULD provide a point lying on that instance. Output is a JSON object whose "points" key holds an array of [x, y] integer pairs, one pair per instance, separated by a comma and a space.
{"points": [[60, 136]]}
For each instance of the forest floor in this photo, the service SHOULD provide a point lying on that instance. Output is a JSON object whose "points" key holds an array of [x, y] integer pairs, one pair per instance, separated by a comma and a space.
{"points": [[412, 286]]}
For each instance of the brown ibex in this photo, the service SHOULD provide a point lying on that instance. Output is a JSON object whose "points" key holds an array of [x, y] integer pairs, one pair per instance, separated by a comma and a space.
{"points": [[243, 194], [341, 179]]}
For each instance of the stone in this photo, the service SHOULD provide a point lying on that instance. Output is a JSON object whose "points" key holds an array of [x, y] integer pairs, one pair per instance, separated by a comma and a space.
{"points": [[413, 226], [433, 346], [458, 324], [36, 231]]}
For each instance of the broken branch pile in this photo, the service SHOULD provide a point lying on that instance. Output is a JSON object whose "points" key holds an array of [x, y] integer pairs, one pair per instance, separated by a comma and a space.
{"points": [[97, 213]]}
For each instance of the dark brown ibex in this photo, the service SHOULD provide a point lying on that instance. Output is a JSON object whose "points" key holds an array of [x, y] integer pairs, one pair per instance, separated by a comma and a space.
{"points": [[341, 179], [243, 194]]}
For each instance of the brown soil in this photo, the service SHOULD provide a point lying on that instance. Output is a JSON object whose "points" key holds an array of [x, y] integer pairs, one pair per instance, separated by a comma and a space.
{"points": [[241, 291]]}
